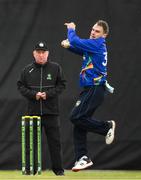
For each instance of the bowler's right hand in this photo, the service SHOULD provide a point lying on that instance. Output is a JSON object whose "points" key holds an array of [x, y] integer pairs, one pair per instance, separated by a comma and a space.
{"points": [[65, 43]]}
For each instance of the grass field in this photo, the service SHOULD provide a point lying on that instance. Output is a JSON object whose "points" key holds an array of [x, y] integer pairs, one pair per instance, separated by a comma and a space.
{"points": [[86, 174]]}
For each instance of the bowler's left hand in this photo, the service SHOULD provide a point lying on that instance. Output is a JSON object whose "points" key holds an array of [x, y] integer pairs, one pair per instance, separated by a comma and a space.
{"points": [[70, 25]]}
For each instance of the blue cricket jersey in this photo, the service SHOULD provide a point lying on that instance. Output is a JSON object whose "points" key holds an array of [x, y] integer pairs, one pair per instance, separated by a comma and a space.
{"points": [[94, 52]]}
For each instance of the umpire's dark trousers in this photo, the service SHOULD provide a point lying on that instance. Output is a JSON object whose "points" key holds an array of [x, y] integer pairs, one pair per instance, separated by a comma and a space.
{"points": [[51, 125], [89, 100]]}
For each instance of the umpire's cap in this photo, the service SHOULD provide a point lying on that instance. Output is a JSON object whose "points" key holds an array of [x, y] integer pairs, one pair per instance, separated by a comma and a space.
{"points": [[41, 46]]}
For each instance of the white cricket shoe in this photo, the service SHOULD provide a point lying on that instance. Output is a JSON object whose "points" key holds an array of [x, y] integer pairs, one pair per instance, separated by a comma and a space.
{"points": [[109, 138], [83, 163]]}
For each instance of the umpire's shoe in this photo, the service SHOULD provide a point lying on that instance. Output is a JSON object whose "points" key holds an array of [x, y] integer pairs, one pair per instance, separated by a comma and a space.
{"points": [[109, 138], [59, 173]]}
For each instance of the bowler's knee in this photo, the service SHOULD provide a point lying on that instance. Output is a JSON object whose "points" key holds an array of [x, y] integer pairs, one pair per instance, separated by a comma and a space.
{"points": [[74, 118]]}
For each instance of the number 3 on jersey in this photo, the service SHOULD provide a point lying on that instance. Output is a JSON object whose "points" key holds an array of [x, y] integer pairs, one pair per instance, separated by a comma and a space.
{"points": [[105, 57]]}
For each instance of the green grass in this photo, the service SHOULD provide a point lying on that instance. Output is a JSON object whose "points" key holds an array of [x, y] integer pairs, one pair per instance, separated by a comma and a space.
{"points": [[85, 174]]}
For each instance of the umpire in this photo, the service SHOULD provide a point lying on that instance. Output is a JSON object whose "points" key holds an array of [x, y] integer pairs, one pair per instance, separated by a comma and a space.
{"points": [[40, 83]]}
